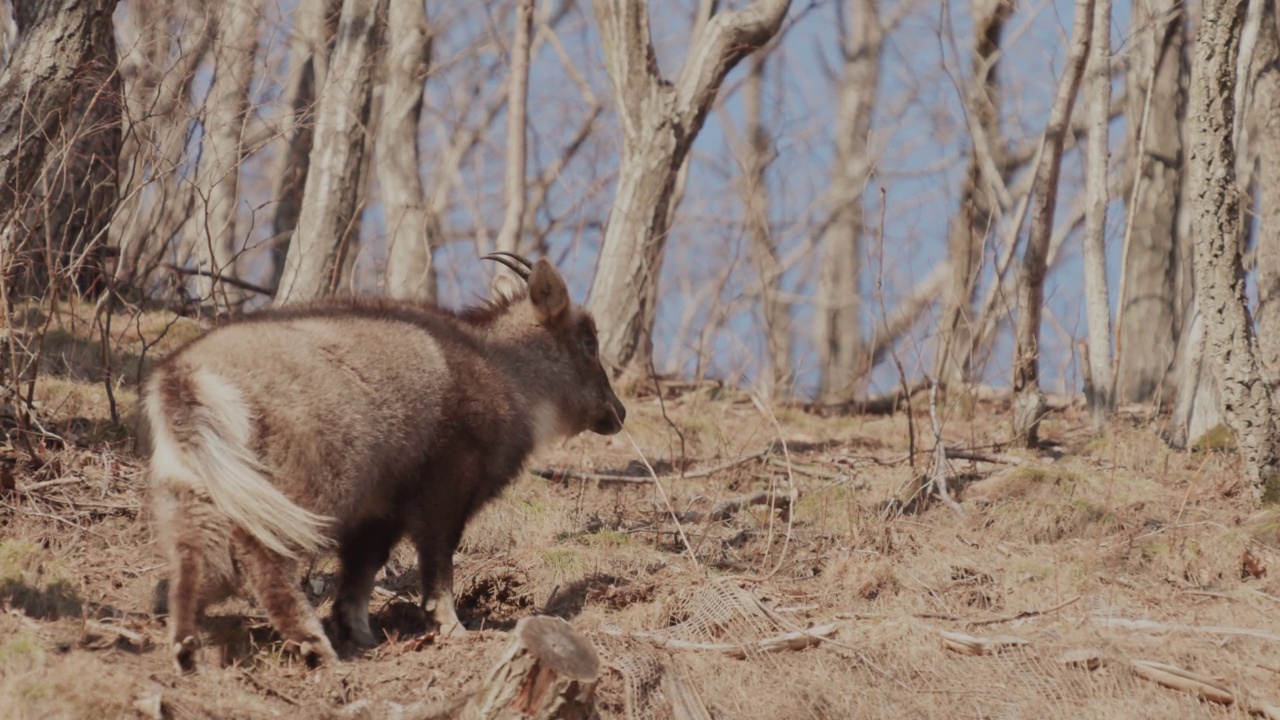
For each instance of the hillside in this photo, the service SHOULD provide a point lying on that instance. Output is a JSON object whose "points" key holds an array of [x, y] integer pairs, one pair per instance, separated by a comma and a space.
{"points": [[1072, 562]]}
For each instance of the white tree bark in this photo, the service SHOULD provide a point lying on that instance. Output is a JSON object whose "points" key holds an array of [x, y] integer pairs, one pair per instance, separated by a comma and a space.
{"points": [[1149, 316], [310, 46], [210, 233], [329, 201], [157, 83], [514, 186], [1029, 402], [973, 221], [1097, 96], [757, 152], [1265, 109], [838, 329], [659, 123], [409, 235], [1231, 346]]}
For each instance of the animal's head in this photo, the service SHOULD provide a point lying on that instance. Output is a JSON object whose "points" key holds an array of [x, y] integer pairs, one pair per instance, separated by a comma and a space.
{"points": [[564, 350]]}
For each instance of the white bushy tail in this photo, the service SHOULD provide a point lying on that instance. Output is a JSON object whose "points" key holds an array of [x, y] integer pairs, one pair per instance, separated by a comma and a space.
{"points": [[213, 458]]}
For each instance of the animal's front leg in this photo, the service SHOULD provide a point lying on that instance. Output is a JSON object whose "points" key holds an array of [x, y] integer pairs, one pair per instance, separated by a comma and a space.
{"points": [[435, 563], [362, 552]]}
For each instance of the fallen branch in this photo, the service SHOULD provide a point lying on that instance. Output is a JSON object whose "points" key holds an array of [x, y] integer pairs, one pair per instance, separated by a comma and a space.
{"points": [[113, 633], [974, 645], [887, 403], [28, 489], [1209, 688], [1025, 614], [1153, 626], [726, 509], [559, 473], [797, 640], [959, 454]]}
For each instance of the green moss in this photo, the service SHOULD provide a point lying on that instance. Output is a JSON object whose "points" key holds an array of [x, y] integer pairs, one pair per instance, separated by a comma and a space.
{"points": [[1030, 571], [30, 579], [1218, 438], [20, 653], [1271, 488], [564, 561], [1151, 551], [608, 539]]}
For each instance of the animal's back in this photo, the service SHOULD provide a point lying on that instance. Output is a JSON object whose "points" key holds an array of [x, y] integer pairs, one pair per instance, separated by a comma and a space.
{"points": [[339, 402]]}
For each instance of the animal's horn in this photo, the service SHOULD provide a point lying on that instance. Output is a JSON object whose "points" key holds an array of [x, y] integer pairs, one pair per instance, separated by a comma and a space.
{"points": [[513, 262]]}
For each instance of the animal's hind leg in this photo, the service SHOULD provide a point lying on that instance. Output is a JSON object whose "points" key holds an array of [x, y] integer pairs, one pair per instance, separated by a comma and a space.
{"points": [[273, 579], [195, 538], [184, 606]]}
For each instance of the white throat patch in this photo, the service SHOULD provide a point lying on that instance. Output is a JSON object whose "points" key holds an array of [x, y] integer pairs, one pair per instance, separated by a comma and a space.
{"points": [[547, 427]]}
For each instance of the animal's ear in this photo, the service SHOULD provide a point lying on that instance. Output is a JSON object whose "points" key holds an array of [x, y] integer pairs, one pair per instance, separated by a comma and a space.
{"points": [[504, 286], [548, 293]]}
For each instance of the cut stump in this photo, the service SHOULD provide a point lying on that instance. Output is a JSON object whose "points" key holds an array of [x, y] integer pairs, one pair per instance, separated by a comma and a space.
{"points": [[548, 672]]}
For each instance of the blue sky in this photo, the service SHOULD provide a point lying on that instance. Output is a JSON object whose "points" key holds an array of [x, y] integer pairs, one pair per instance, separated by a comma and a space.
{"points": [[918, 132]]}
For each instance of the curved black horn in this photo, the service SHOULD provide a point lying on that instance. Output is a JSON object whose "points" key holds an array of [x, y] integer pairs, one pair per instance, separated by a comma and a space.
{"points": [[512, 262]]}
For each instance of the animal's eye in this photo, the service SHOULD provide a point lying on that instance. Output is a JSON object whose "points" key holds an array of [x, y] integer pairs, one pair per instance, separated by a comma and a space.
{"points": [[590, 344]]}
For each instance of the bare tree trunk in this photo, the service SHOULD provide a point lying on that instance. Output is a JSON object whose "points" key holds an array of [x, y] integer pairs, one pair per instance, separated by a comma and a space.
{"points": [[514, 186], [409, 240], [548, 671], [514, 181], [966, 237], [310, 46], [838, 331], [316, 252], [1265, 109], [211, 230], [659, 123], [64, 235], [38, 85], [1232, 349], [1097, 95], [1148, 302], [155, 193], [1029, 402], [757, 152]]}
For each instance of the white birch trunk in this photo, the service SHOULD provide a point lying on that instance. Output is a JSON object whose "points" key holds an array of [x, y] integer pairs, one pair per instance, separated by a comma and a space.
{"points": [[329, 201], [1097, 96]]}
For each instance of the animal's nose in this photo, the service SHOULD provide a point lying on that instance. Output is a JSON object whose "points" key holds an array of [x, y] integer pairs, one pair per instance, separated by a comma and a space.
{"points": [[620, 411]]}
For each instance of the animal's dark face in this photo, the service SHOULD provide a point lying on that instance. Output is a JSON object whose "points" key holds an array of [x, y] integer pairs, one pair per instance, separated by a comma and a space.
{"points": [[565, 355], [603, 412]]}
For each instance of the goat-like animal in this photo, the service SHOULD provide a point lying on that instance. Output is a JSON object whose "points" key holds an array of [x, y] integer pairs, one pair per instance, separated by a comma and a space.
{"points": [[348, 425]]}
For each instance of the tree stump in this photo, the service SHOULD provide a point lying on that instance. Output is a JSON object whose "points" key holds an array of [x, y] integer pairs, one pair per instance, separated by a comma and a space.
{"points": [[548, 672]]}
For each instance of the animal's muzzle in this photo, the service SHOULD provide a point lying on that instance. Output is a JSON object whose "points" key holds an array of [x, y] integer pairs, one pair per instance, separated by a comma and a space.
{"points": [[610, 422]]}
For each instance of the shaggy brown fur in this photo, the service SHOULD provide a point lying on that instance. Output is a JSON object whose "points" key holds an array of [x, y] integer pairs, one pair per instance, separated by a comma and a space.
{"points": [[352, 424]]}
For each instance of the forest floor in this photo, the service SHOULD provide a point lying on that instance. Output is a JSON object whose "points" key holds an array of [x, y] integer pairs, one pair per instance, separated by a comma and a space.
{"points": [[1047, 590]]}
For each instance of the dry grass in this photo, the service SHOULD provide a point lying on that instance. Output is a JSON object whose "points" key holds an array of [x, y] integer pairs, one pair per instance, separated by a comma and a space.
{"points": [[1052, 547]]}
